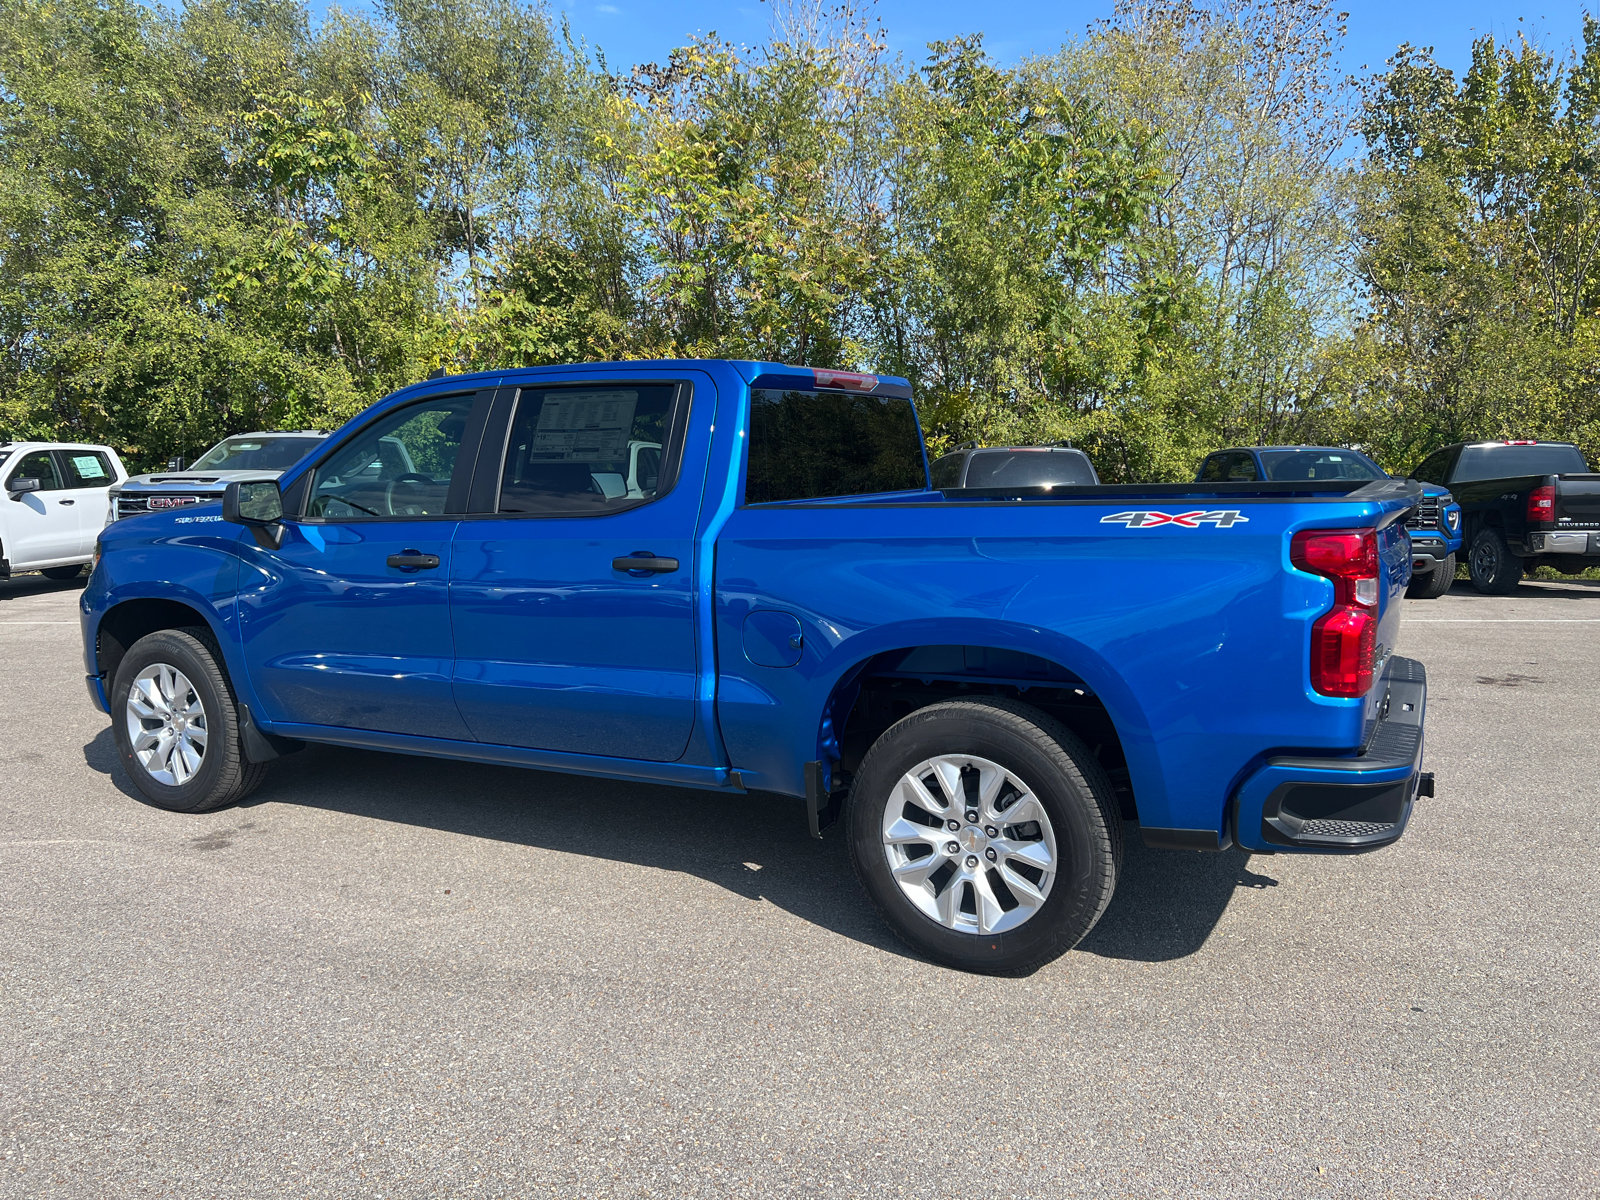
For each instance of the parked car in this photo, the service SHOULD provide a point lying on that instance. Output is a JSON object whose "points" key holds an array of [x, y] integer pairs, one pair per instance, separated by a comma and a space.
{"points": [[983, 681], [1013, 466], [57, 495], [1524, 504], [1434, 526], [244, 456]]}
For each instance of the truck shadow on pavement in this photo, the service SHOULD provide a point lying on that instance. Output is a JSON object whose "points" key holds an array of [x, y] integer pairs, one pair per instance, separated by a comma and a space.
{"points": [[756, 846], [20, 586]]}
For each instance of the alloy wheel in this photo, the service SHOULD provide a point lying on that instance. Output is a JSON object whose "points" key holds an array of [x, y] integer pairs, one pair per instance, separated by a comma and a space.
{"points": [[167, 725], [969, 844]]}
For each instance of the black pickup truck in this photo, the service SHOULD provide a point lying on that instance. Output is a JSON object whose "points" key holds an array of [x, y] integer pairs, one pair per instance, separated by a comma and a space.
{"points": [[1524, 504]]}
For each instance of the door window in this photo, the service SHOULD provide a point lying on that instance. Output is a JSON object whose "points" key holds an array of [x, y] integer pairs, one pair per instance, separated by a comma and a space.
{"points": [[1240, 467], [40, 465], [400, 466], [88, 469], [1433, 467], [946, 472], [578, 452]]}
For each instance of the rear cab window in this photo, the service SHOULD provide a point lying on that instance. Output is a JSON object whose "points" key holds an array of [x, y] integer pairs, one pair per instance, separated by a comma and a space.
{"points": [[1509, 462], [1029, 468], [811, 445], [1293, 466]]}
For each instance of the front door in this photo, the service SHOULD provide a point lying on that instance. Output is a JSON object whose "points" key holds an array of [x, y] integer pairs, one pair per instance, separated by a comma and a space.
{"points": [[42, 526], [560, 644], [347, 623]]}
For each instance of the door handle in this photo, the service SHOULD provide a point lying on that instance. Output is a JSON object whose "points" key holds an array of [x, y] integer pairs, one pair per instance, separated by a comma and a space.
{"points": [[644, 562], [66, 501], [412, 560]]}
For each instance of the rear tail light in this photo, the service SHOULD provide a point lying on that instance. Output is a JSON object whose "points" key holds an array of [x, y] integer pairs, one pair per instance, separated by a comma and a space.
{"points": [[1343, 638], [848, 381], [1542, 505]]}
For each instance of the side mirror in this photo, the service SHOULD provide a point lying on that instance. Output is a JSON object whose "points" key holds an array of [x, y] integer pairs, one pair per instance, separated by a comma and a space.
{"points": [[258, 505], [18, 486]]}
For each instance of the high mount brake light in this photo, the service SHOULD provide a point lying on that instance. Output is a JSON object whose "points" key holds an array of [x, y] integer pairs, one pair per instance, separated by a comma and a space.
{"points": [[1344, 638], [846, 381], [1542, 505], [1528, 442]]}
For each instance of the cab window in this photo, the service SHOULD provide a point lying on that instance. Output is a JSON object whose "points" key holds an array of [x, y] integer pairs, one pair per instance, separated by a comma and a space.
{"points": [[588, 451], [40, 465], [399, 466], [1433, 468], [947, 472], [88, 469]]}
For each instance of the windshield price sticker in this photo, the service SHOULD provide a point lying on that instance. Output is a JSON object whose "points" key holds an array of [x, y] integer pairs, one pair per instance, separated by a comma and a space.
{"points": [[1222, 518]]}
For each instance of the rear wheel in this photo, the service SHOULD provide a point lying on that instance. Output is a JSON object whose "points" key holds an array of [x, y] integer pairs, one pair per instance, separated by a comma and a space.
{"points": [[1494, 569], [61, 572], [986, 835], [1435, 583], [175, 724]]}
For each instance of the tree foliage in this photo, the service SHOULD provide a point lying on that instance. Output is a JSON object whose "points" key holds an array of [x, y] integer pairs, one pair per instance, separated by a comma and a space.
{"points": [[1181, 230]]}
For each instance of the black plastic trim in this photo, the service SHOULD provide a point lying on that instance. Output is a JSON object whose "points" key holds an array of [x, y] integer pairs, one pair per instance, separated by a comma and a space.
{"points": [[1185, 839], [259, 746]]}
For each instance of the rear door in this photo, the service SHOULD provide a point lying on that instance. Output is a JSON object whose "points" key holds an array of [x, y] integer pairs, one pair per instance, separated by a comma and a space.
{"points": [[89, 476], [40, 527], [560, 645]]}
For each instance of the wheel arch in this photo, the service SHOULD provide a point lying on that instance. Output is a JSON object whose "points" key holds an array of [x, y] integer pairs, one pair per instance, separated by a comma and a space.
{"points": [[124, 623], [868, 691]]}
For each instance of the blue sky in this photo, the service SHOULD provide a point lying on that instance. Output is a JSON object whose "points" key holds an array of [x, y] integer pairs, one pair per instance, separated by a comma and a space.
{"points": [[632, 31]]}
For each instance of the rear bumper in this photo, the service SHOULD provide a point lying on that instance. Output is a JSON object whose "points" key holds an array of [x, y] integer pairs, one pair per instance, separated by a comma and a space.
{"points": [[1343, 805], [1575, 542]]}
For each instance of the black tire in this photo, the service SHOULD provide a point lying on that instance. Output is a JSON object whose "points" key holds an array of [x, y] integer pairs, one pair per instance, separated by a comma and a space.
{"points": [[1495, 571], [60, 573], [224, 774], [1064, 778], [1435, 583]]}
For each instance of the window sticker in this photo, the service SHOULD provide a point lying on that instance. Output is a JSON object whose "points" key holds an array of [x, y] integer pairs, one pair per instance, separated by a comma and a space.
{"points": [[88, 466], [584, 426]]}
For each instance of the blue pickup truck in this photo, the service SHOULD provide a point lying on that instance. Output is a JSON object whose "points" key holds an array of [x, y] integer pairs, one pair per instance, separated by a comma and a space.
{"points": [[735, 575]]}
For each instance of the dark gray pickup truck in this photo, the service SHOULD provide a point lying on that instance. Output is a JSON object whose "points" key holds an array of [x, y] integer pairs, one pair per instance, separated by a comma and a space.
{"points": [[1524, 504]]}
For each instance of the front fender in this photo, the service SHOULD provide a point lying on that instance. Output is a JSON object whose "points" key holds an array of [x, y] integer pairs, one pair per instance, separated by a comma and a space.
{"points": [[170, 563]]}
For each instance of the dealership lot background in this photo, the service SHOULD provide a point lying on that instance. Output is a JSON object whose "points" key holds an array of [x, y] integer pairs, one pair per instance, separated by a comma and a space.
{"points": [[385, 976]]}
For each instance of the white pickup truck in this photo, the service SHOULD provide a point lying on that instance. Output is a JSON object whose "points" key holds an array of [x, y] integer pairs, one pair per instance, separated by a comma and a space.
{"points": [[57, 499]]}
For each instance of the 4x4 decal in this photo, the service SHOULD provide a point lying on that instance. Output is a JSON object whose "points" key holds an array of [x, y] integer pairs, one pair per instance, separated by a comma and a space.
{"points": [[1222, 518]]}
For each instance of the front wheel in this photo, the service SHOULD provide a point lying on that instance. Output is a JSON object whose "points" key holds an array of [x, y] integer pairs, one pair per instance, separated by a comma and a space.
{"points": [[986, 835], [1435, 583], [1494, 569], [61, 573], [176, 728]]}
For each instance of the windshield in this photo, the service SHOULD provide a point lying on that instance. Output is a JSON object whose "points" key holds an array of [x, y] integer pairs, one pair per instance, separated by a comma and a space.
{"points": [[268, 453], [1292, 466], [1029, 468], [1509, 462]]}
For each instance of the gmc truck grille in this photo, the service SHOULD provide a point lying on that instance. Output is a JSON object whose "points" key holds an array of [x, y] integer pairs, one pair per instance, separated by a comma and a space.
{"points": [[127, 506], [1427, 514]]}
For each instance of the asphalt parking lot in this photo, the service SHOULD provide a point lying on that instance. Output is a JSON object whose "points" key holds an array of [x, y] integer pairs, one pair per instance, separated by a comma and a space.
{"points": [[385, 976]]}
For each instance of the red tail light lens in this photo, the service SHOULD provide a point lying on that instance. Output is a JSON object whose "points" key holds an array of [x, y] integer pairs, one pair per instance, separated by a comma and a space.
{"points": [[1344, 638], [1542, 505], [848, 381]]}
